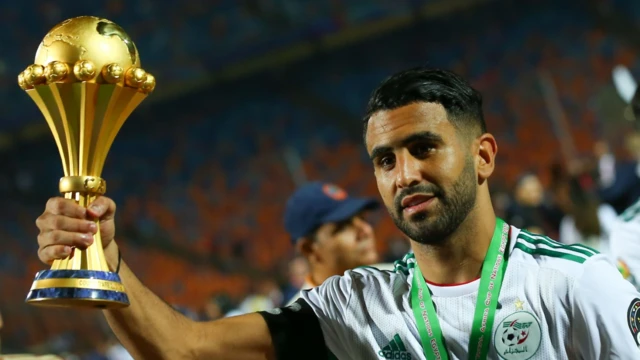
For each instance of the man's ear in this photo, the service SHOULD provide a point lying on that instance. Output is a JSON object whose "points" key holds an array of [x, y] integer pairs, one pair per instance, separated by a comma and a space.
{"points": [[486, 154], [304, 246]]}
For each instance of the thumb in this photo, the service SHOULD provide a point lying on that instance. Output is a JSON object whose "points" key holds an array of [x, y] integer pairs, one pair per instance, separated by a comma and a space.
{"points": [[102, 207]]}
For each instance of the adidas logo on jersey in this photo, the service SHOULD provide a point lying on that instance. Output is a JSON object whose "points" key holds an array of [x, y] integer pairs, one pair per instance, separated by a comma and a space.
{"points": [[395, 350]]}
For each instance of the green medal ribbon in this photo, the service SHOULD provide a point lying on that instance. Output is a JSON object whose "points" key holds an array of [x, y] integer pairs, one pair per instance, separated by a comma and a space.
{"points": [[493, 268]]}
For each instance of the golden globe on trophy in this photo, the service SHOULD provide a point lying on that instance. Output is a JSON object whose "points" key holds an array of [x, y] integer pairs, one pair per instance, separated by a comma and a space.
{"points": [[86, 81]]}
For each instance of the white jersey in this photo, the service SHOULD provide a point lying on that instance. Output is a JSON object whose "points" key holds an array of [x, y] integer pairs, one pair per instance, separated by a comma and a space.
{"points": [[308, 285], [557, 302], [625, 243]]}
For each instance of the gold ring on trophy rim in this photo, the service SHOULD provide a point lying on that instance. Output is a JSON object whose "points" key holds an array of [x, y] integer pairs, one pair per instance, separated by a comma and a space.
{"points": [[85, 184], [77, 302], [93, 284]]}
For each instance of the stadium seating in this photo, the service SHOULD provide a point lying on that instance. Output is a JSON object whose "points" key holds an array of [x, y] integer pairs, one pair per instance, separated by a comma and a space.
{"points": [[205, 174]]}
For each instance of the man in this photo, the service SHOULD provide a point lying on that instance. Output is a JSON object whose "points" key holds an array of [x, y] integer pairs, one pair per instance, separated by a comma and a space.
{"points": [[328, 228], [620, 180], [453, 296], [526, 211], [625, 244], [625, 235]]}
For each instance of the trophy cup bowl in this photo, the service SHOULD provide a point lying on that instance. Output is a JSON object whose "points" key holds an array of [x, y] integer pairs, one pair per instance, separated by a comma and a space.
{"points": [[86, 80]]}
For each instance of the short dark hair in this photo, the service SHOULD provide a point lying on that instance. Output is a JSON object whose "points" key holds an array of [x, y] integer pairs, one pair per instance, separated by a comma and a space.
{"points": [[462, 103]]}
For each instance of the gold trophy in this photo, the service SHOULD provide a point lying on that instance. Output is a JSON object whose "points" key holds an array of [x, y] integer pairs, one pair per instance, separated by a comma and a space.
{"points": [[86, 81]]}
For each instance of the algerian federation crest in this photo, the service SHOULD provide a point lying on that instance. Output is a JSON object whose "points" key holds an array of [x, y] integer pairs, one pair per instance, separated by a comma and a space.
{"points": [[518, 336]]}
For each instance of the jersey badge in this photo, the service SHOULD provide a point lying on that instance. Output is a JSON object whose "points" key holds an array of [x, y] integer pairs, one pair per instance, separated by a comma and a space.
{"points": [[518, 336], [633, 317]]}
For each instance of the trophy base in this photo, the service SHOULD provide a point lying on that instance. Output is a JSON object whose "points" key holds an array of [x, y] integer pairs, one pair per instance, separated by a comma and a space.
{"points": [[78, 288]]}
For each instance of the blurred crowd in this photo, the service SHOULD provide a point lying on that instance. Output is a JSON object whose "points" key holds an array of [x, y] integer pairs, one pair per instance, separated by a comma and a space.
{"points": [[184, 42], [200, 180]]}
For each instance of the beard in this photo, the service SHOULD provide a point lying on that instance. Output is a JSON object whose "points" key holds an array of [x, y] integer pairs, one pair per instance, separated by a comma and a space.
{"points": [[453, 206]]}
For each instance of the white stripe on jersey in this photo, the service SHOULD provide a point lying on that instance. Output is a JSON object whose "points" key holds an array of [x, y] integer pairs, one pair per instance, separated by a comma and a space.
{"points": [[573, 297]]}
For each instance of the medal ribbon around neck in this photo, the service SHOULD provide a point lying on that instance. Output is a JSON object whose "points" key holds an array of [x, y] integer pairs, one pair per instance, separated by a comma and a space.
{"points": [[493, 269]]}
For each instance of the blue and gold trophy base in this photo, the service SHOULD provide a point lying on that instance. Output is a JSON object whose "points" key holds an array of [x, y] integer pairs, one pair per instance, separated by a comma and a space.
{"points": [[82, 279], [78, 288]]}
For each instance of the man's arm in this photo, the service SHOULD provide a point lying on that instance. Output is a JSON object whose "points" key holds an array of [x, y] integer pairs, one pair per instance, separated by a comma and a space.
{"points": [[150, 329], [605, 313]]}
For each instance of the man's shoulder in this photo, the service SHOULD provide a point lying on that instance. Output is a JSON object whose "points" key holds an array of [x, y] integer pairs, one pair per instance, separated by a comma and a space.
{"points": [[367, 281], [398, 270], [379, 267], [376, 276], [534, 250], [378, 273], [626, 230]]}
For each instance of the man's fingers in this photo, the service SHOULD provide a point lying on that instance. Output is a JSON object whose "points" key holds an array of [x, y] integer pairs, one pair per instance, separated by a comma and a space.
{"points": [[49, 222], [65, 207], [61, 237], [53, 252], [102, 208]]}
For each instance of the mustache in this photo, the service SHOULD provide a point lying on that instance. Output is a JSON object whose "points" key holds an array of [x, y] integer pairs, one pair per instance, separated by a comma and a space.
{"points": [[417, 189]]}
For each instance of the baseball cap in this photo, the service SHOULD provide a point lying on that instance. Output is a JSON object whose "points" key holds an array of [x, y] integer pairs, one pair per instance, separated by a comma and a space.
{"points": [[317, 203]]}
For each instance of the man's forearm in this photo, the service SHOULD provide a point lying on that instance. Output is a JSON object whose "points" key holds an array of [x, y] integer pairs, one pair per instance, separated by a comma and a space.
{"points": [[151, 329], [148, 328]]}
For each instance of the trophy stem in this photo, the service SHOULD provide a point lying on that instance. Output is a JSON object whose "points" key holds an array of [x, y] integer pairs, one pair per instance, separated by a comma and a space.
{"points": [[91, 258]]}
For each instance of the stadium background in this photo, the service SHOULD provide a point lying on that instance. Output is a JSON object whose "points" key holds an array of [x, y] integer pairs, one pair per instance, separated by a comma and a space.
{"points": [[257, 96]]}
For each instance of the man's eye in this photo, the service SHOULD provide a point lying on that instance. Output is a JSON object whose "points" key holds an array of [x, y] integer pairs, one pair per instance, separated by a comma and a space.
{"points": [[422, 150], [386, 161]]}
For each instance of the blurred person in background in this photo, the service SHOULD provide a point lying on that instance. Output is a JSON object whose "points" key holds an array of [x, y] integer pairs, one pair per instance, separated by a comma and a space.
{"points": [[329, 228], [32, 357], [217, 306], [187, 312], [298, 270], [625, 235], [587, 221], [526, 211], [115, 350], [265, 296], [23, 356], [620, 180]]}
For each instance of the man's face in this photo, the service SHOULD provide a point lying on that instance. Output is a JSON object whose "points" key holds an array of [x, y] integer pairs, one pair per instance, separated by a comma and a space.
{"points": [[347, 244], [424, 168]]}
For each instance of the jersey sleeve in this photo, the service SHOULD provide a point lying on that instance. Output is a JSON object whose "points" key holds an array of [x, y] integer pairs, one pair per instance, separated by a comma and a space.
{"points": [[330, 302], [625, 248], [295, 332], [606, 313]]}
